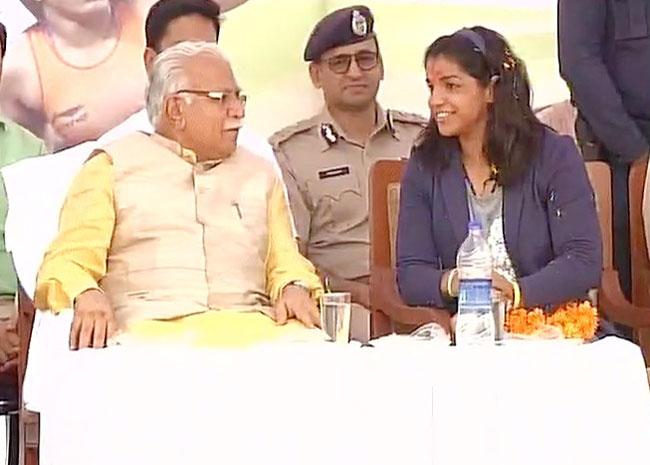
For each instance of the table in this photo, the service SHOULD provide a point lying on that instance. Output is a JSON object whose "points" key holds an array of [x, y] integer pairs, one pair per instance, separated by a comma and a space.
{"points": [[329, 404]]}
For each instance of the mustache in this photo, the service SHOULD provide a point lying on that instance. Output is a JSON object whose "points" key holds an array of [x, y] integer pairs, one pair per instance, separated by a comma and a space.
{"points": [[232, 125]]}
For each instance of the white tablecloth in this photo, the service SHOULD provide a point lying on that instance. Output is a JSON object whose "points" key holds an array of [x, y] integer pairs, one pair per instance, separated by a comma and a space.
{"points": [[327, 404]]}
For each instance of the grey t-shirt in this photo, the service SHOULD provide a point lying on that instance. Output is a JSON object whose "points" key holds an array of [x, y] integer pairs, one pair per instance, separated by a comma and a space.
{"points": [[488, 210]]}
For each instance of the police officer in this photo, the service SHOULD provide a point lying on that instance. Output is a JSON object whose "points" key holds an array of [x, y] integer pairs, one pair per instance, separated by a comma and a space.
{"points": [[326, 159], [604, 51]]}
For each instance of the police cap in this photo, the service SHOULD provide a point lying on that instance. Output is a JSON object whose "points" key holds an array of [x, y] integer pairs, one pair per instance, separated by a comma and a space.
{"points": [[341, 27]]}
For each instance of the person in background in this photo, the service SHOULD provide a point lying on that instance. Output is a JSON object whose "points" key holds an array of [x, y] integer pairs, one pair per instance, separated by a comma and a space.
{"points": [[170, 22], [95, 45], [604, 55], [16, 143], [485, 157], [326, 159], [119, 260]]}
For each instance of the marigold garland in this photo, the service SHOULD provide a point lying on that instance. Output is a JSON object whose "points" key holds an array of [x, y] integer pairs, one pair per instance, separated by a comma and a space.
{"points": [[574, 319]]}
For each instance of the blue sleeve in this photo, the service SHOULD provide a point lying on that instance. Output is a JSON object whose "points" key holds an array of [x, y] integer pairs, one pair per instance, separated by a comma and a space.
{"points": [[418, 266], [575, 231], [582, 29]]}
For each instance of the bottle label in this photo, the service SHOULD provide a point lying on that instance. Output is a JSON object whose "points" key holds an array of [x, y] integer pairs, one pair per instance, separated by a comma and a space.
{"points": [[475, 295]]}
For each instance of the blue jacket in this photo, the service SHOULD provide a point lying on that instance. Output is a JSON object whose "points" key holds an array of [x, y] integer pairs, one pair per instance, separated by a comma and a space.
{"points": [[604, 52], [551, 226]]}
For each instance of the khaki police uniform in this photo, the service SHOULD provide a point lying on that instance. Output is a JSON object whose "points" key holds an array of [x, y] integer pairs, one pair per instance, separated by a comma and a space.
{"points": [[327, 173]]}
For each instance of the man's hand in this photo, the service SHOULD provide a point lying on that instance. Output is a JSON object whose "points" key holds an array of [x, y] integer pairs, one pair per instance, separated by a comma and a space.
{"points": [[297, 303], [359, 290], [94, 321], [360, 293], [9, 345]]}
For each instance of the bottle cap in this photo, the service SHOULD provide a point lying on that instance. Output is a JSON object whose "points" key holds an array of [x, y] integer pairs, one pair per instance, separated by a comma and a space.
{"points": [[474, 226]]}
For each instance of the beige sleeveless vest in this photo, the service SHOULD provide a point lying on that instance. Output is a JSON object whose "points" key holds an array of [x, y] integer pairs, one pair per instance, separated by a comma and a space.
{"points": [[187, 238]]}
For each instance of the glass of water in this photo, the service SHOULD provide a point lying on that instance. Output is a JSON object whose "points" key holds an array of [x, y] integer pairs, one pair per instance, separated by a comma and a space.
{"points": [[335, 310]]}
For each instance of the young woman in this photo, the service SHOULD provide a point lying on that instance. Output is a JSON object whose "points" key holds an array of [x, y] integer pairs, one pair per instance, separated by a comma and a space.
{"points": [[485, 157]]}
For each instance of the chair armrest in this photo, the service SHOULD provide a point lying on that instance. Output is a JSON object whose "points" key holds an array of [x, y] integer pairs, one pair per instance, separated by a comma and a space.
{"points": [[616, 307], [384, 297]]}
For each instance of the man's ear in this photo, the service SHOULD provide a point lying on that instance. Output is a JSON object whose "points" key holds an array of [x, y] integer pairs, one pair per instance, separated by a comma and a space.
{"points": [[149, 57], [172, 108], [315, 74]]}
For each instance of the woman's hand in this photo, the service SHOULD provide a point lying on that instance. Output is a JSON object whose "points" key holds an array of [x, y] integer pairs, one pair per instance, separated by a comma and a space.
{"points": [[450, 282], [503, 285]]}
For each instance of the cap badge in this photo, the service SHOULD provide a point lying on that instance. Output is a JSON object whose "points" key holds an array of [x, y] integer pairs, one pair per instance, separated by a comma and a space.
{"points": [[359, 24]]}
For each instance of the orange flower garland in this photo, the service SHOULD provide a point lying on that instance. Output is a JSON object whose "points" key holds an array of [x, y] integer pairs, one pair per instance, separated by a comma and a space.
{"points": [[574, 319], [522, 321]]}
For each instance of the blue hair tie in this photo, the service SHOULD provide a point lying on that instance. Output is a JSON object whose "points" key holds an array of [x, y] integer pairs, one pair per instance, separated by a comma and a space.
{"points": [[475, 38]]}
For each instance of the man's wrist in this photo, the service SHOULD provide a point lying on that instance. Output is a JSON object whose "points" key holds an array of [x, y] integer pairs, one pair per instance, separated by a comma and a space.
{"points": [[76, 298], [297, 283]]}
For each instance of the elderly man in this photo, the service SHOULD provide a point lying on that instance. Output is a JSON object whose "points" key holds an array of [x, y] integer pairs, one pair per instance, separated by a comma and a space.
{"points": [[16, 143], [326, 159], [180, 222]]}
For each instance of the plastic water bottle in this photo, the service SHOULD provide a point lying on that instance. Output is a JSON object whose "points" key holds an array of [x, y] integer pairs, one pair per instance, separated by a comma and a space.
{"points": [[475, 320]]}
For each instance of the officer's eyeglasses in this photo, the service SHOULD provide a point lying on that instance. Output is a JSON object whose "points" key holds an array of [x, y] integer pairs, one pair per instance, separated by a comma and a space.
{"points": [[227, 98], [340, 64]]}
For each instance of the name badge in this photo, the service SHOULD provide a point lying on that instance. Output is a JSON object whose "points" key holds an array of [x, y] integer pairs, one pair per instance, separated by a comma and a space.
{"points": [[334, 172]]}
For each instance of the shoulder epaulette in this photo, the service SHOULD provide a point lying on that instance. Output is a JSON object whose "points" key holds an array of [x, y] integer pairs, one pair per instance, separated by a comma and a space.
{"points": [[405, 117], [286, 133]]}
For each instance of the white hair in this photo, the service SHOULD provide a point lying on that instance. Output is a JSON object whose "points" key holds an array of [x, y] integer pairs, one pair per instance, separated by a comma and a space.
{"points": [[169, 73]]}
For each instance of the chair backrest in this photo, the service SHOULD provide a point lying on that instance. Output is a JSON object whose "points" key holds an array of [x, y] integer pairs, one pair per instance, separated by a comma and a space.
{"points": [[640, 263], [601, 182], [392, 197], [385, 177], [560, 116]]}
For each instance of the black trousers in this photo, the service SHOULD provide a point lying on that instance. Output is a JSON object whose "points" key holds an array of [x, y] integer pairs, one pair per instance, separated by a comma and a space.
{"points": [[621, 225]]}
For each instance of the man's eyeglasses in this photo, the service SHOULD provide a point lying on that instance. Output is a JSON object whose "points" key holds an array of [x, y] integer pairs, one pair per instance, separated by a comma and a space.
{"points": [[340, 64], [227, 98]]}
